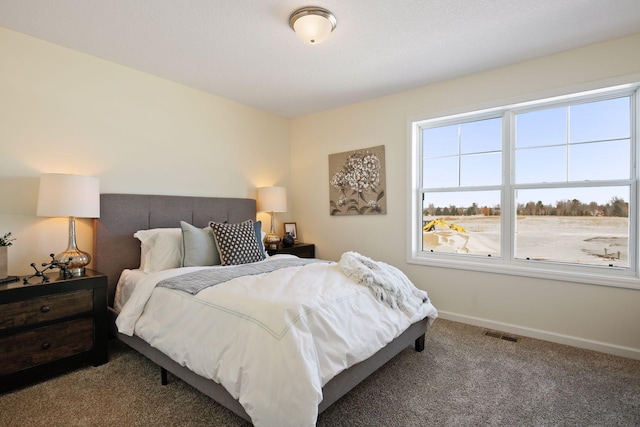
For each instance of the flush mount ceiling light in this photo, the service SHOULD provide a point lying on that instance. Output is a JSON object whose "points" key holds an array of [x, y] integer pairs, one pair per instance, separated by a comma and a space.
{"points": [[312, 24]]}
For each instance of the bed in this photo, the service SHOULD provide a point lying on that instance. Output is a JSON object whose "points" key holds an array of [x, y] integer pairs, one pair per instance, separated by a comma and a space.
{"points": [[117, 251]]}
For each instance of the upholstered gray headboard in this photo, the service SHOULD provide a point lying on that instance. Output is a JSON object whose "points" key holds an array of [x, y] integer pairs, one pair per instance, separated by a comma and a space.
{"points": [[121, 215]]}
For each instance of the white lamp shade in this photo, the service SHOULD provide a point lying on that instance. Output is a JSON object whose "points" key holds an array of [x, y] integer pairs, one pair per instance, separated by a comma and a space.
{"points": [[272, 199], [313, 29], [69, 195]]}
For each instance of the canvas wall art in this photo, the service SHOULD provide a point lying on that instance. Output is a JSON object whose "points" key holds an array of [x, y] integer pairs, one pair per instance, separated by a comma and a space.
{"points": [[357, 183]]}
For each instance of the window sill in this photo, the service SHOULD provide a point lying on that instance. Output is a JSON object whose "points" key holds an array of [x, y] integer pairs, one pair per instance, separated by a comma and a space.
{"points": [[621, 278]]}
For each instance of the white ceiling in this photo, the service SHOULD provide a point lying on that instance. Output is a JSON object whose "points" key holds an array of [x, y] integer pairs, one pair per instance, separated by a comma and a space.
{"points": [[244, 50]]}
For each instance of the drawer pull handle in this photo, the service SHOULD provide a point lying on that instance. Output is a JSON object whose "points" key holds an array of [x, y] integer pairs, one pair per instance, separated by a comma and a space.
{"points": [[45, 308], [45, 345]]}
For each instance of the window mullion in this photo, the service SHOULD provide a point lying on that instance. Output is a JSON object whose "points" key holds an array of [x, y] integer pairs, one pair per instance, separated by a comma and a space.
{"points": [[567, 140], [459, 155], [508, 211], [634, 203]]}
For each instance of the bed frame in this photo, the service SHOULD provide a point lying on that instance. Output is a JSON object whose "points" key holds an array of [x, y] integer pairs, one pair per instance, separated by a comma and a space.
{"points": [[115, 249]]}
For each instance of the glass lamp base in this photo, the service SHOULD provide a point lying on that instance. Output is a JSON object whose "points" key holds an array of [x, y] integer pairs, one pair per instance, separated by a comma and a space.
{"points": [[271, 241], [77, 260]]}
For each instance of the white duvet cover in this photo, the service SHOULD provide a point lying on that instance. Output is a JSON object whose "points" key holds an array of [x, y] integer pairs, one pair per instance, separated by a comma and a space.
{"points": [[272, 340]]}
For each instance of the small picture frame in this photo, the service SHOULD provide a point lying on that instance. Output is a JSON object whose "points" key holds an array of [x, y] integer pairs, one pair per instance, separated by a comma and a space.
{"points": [[291, 228]]}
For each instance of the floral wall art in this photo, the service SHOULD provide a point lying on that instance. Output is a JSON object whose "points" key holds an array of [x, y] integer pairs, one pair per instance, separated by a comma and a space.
{"points": [[357, 182]]}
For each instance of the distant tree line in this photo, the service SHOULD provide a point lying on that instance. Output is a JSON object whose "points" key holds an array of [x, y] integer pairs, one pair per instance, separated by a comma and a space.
{"points": [[454, 210], [616, 207]]}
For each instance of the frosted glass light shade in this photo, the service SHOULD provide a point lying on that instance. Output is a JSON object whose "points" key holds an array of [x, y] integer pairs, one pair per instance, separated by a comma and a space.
{"points": [[69, 195], [272, 199], [312, 24], [312, 29]]}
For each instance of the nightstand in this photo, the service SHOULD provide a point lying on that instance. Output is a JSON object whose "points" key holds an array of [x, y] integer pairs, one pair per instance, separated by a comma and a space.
{"points": [[302, 250], [48, 328]]}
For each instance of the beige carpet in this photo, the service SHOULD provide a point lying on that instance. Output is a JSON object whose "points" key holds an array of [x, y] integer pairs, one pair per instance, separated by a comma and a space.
{"points": [[463, 378]]}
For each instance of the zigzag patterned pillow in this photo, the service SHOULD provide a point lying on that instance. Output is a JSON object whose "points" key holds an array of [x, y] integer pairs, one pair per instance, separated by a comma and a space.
{"points": [[236, 243]]}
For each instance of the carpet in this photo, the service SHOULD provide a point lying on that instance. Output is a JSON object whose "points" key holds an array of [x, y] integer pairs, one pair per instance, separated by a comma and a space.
{"points": [[463, 378]]}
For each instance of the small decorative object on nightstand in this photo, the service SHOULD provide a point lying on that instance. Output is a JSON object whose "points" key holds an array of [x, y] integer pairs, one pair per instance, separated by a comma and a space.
{"points": [[287, 240], [47, 328], [302, 250], [64, 270], [5, 242]]}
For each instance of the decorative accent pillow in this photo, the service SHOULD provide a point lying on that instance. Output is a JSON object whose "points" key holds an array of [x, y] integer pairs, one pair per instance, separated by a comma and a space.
{"points": [[236, 243], [161, 248], [198, 246], [260, 236]]}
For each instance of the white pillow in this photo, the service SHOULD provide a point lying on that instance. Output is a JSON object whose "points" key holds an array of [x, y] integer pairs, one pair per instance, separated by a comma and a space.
{"points": [[161, 248]]}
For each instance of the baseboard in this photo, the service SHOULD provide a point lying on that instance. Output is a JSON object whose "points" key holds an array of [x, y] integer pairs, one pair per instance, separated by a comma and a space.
{"points": [[616, 350]]}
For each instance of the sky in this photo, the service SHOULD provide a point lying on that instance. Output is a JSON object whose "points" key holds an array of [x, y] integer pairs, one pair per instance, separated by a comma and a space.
{"points": [[564, 144]]}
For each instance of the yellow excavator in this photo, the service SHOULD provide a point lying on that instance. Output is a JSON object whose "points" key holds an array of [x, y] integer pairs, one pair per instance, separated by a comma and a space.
{"points": [[431, 225]]}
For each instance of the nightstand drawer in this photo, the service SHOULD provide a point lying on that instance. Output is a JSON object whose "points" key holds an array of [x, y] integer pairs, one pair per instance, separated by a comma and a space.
{"points": [[50, 307], [46, 344]]}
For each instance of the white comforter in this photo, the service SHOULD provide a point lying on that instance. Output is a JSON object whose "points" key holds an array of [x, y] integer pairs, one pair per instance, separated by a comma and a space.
{"points": [[272, 340]]}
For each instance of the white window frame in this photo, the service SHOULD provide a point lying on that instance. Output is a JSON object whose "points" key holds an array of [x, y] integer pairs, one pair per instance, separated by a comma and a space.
{"points": [[507, 263]]}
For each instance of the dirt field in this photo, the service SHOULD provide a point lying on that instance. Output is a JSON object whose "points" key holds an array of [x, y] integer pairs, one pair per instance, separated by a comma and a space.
{"points": [[583, 240]]}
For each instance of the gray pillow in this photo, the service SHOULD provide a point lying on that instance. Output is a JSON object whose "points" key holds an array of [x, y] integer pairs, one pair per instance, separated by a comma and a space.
{"points": [[236, 243], [199, 247]]}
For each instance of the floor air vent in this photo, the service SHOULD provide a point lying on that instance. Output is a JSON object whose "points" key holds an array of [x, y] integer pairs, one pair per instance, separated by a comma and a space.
{"points": [[500, 335]]}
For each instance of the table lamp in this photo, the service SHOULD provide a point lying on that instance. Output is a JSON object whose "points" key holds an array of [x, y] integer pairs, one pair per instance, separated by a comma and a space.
{"points": [[71, 196], [272, 199]]}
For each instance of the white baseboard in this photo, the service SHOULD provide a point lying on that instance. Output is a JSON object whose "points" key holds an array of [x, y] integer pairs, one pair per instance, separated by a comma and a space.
{"points": [[602, 347]]}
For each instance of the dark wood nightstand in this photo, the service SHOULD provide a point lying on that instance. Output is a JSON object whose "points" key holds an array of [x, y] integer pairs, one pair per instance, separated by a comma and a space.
{"points": [[48, 328], [302, 250]]}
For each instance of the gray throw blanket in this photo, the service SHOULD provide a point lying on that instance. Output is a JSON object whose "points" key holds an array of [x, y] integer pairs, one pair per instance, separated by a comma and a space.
{"points": [[202, 279]]}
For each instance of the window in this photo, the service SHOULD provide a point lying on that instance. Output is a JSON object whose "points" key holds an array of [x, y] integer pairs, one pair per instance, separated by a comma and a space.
{"points": [[546, 188], [461, 177]]}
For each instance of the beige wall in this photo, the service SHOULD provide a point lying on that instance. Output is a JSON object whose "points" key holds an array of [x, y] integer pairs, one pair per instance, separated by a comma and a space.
{"points": [[66, 112], [598, 317]]}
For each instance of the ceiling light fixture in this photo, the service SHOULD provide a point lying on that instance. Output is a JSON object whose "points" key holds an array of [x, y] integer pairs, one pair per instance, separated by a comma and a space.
{"points": [[312, 24]]}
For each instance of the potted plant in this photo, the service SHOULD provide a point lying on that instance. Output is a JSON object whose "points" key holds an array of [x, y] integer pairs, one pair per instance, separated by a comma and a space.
{"points": [[5, 241]]}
